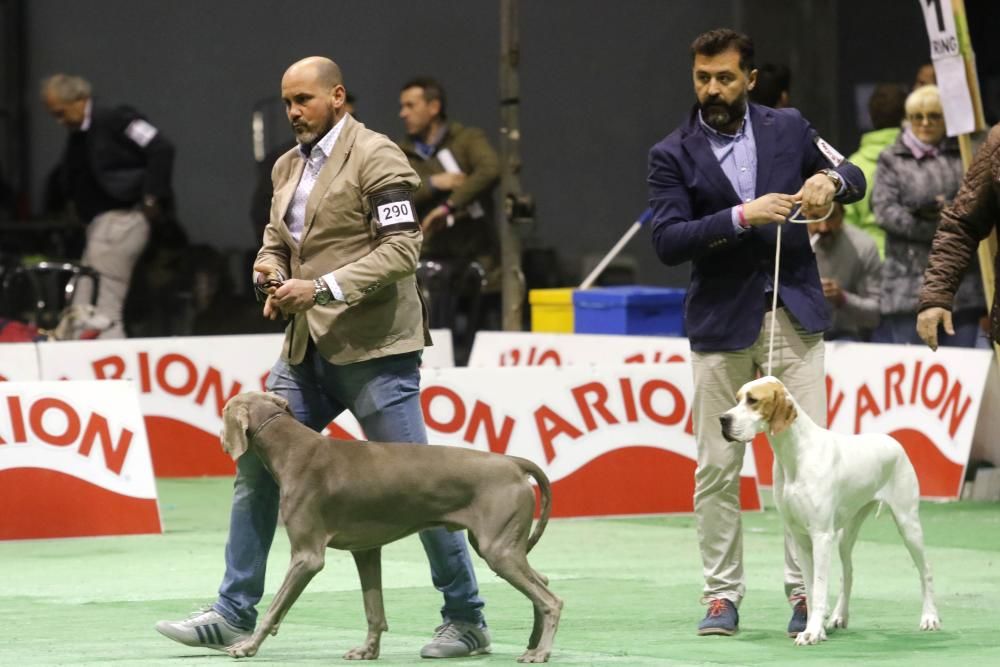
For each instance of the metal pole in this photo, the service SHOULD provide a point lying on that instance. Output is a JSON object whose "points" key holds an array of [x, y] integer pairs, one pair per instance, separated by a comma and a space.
{"points": [[646, 216], [513, 284]]}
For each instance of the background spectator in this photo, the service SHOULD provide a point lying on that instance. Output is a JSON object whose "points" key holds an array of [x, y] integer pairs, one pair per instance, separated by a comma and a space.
{"points": [[459, 171], [885, 108], [916, 177], [926, 76], [851, 273], [116, 173], [774, 86]]}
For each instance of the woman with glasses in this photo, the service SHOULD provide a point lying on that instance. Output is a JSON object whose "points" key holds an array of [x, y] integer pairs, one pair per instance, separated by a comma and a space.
{"points": [[916, 178]]}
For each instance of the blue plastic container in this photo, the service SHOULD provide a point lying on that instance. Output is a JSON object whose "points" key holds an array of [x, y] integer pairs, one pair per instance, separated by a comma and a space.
{"points": [[630, 309]]}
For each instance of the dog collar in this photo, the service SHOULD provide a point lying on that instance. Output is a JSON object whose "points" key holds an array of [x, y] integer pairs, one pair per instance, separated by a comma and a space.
{"points": [[265, 423]]}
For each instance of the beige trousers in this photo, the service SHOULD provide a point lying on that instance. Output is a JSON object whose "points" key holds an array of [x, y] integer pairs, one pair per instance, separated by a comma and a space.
{"points": [[115, 239], [798, 362]]}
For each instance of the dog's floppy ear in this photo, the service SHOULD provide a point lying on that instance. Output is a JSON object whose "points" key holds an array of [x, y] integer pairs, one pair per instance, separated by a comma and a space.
{"points": [[782, 410], [235, 422]]}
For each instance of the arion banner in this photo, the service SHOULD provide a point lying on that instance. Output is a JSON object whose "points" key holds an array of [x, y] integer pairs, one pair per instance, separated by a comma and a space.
{"points": [[613, 440], [184, 383], [18, 361], [74, 461], [928, 400]]}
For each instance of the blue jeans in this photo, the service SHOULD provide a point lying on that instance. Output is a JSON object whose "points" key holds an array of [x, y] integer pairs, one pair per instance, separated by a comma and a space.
{"points": [[384, 396]]}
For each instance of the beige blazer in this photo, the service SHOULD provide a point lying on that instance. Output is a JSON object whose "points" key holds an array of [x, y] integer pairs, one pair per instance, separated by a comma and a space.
{"points": [[382, 312]]}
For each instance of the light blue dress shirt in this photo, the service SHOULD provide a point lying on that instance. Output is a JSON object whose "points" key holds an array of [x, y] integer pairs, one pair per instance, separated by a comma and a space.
{"points": [[737, 155]]}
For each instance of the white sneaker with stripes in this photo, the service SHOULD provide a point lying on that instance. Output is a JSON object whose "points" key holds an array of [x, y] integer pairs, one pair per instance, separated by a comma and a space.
{"points": [[455, 639], [204, 628]]}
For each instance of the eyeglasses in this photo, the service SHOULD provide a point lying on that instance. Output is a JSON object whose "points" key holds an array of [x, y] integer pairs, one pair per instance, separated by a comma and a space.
{"points": [[932, 117]]}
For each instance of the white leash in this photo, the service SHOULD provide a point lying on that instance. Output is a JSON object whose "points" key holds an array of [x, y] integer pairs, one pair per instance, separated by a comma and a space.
{"points": [[777, 264]]}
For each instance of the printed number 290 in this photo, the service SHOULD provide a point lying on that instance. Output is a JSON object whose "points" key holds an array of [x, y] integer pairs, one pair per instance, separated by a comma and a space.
{"points": [[396, 211]]}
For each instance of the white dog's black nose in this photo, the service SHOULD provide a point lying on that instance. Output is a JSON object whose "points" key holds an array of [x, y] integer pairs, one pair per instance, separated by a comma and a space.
{"points": [[726, 421]]}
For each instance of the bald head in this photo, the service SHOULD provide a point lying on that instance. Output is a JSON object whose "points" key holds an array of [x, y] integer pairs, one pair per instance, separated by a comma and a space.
{"points": [[323, 71], [313, 92]]}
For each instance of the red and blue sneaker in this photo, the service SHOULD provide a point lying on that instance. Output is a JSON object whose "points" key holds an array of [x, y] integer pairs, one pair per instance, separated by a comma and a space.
{"points": [[721, 619]]}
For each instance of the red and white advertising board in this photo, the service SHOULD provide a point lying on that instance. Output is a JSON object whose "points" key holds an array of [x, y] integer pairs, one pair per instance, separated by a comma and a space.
{"points": [[184, 383], [929, 401], [501, 348], [18, 362], [74, 461], [613, 439], [442, 353]]}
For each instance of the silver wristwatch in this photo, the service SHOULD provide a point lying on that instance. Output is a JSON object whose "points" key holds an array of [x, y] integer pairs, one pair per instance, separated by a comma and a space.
{"points": [[321, 292], [838, 180]]}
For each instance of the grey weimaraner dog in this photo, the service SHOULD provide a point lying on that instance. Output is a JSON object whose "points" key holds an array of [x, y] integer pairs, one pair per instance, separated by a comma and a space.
{"points": [[357, 497]]}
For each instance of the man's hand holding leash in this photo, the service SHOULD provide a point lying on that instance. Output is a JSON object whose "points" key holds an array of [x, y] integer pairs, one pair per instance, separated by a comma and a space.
{"points": [[814, 198], [774, 207], [816, 195], [283, 297], [295, 295]]}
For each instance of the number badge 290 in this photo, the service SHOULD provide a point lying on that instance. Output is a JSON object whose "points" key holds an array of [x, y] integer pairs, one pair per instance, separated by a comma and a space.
{"points": [[392, 211]]}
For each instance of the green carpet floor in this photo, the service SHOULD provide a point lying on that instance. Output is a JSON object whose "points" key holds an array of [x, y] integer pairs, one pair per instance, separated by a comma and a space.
{"points": [[631, 588]]}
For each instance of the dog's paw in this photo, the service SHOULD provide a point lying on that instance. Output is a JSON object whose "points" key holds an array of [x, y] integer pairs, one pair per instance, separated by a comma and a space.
{"points": [[810, 637], [362, 653], [244, 649], [837, 622], [930, 622], [534, 655]]}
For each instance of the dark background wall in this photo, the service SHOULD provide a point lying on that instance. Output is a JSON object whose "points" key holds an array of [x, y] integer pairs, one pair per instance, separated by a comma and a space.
{"points": [[601, 82]]}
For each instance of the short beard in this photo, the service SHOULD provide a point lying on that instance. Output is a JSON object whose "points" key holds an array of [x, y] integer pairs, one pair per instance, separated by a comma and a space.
{"points": [[721, 116], [306, 137], [310, 137]]}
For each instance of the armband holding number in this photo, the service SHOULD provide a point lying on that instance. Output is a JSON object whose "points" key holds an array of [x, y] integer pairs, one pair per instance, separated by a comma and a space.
{"points": [[393, 212]]}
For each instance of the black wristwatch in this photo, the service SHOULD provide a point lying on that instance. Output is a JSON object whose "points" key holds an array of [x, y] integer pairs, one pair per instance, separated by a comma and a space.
{"points": [[321, 292]]}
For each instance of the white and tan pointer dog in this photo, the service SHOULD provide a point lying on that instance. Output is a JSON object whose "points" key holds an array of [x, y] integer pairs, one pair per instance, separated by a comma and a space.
{"points": [[825, 486], [354, 496]]}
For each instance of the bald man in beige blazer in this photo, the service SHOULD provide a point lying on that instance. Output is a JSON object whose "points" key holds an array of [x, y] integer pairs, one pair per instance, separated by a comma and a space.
{"points": [[338, 261], [378, 311]]}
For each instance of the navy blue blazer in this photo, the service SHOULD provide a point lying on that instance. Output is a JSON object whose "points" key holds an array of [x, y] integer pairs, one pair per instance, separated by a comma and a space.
{"points": [[691, 200]]}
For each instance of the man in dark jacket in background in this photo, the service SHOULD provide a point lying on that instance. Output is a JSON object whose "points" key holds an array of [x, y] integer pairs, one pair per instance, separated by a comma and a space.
{"points": [[116, 172], [459, 171]]}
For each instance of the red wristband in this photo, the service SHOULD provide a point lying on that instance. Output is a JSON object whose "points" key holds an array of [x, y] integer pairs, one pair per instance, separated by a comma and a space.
{"points": [[743, 219]]}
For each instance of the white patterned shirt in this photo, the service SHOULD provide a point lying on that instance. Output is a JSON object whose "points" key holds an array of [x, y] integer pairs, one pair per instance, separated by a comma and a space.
{"points": [[295, 217]]}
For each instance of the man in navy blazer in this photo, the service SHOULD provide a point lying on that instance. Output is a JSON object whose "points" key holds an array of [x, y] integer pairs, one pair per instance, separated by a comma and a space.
{"points": [[719, 187]]}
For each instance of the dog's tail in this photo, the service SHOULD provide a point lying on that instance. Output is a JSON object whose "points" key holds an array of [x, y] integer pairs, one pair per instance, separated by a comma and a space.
{"points": [[545, 491]]}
